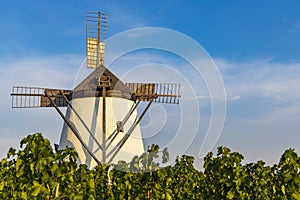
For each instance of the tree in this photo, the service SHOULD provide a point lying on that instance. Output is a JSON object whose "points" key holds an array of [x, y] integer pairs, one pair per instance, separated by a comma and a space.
{"points": [[38, 172]]}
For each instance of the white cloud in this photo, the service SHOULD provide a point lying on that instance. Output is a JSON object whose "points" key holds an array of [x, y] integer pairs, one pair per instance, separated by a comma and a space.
{"points": [[202, 97], [263, 120], [54, 72], [235, 98], [262, 78]]}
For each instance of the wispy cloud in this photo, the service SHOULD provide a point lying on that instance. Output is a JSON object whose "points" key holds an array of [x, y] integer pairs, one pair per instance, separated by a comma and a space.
{"points": [[54, 72], [295, 28], [262, 78], [263, 118]]}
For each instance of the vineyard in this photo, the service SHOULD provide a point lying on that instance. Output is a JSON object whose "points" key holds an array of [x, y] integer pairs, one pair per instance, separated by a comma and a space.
{"points": [[39, 172]]}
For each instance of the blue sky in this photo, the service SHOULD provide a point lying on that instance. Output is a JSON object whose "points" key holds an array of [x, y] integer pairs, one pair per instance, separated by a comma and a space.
{"points": [[255, 45], [237, 30]]}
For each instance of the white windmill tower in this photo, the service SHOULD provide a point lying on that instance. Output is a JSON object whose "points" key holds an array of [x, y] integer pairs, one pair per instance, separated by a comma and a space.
{"points": [[101, 122]]}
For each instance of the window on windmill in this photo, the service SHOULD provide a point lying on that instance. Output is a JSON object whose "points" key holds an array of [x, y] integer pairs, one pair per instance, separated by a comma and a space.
{"points": [[104, 81]]}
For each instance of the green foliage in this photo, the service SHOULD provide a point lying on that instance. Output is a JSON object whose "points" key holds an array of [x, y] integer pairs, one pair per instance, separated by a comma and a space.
{"points": [[37, 172]]}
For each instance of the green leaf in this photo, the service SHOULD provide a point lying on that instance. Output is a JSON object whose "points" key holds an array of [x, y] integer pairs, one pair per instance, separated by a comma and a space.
{"points": [[11, 152], [168, 196], [283, 189], [36, 189], [2, 185], [274, 189], [230, 195], [288, 177], [91, 183], [54, 167], [45, 177], [136, 165], [32, 167], [78, 197], [18, 164], [24, 195], [91, 198], [296, 196]]}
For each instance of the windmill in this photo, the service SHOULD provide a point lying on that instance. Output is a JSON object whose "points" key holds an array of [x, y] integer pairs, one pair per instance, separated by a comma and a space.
{"points": [[101, 120]]}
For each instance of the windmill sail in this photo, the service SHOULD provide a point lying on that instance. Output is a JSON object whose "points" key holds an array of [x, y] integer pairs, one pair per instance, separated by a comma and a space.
{"points": [[34, 97], [161, 92], [96, 26]]}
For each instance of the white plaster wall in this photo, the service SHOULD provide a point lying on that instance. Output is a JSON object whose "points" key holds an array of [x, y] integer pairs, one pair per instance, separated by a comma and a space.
{"points": [[90, 110]]}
